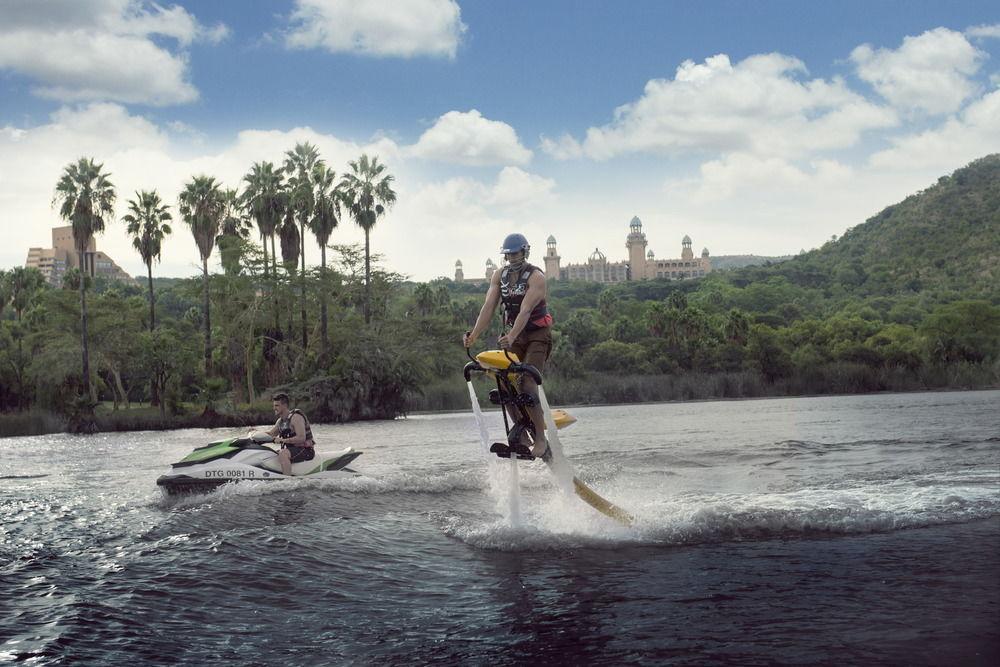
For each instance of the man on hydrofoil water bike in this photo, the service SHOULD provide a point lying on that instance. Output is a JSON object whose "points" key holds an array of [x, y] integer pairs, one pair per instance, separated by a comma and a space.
{"points": [[520, 287], [292, 432]]}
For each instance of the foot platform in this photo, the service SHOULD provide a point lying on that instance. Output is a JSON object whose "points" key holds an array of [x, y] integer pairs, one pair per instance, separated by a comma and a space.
{"points": [[504, 451]]}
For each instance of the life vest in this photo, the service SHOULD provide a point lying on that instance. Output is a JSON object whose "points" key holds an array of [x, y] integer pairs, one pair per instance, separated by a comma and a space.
{"points": [[513, 287], [285, 429]]}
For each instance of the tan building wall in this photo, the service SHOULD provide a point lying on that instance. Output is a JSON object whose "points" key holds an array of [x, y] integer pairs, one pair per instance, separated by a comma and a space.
{"points": [[640, 265], [55, 261], [491, 267]]}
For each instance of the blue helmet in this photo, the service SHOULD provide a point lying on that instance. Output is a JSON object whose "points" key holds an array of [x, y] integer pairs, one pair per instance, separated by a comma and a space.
{"points": [[515, 243]]}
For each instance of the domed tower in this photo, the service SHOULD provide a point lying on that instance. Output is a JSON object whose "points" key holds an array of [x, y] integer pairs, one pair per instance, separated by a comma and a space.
{"points": [[636, 244], [704, 253], [686, 253], [491, 268], [650, 256], [551, 259], [459, 276], [597, 257]]}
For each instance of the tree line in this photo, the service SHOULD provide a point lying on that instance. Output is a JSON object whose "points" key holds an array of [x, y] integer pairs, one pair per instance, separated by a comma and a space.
{"points": [[279, 202], [828, 321]]}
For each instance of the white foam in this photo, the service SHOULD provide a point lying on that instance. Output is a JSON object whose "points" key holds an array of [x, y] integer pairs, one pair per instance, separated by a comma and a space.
{"points": [[555, 521]]}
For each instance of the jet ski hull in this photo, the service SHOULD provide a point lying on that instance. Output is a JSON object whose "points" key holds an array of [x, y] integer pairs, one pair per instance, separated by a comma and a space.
{"points": [[214, 465]]}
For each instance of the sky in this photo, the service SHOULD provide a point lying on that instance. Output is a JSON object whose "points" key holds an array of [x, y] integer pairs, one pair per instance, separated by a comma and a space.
{"points": [[753, 127]]}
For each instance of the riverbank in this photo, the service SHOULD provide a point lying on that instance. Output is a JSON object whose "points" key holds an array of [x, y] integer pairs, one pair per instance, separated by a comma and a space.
{"points": [[838, 379], [142, 418], [449, 394]]}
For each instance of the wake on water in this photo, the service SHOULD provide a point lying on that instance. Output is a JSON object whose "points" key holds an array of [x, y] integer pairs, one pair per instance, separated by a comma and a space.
{"points": [[531, 512], [554, 520]]}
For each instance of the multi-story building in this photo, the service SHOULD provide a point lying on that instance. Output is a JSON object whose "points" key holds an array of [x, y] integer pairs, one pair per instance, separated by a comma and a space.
{"points": [[55, 261], [491, 267], [640, 265]]}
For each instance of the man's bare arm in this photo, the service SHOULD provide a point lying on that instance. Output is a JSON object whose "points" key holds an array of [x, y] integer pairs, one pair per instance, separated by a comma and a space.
{"points": [[486, 312]]}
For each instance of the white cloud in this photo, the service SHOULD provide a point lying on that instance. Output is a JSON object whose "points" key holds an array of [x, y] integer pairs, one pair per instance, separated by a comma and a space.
{"points": [[959, 140], [563, 148], [930, 71], [446, 215], [102, 49], [468, 138], [516, 189], [740, 175], [463, 218], [403, 28], [984, 30], [140, 155], [761, 105]]}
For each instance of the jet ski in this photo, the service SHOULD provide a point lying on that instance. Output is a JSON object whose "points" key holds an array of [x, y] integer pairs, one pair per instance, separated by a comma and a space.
{"points": [[247, 458]]}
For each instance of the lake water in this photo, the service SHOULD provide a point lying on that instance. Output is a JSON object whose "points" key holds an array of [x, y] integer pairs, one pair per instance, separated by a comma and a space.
{"points": [[843, 530]]}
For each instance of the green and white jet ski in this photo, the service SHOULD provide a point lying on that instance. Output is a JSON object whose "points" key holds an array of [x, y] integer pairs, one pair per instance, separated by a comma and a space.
{"points": [[248, 458]]}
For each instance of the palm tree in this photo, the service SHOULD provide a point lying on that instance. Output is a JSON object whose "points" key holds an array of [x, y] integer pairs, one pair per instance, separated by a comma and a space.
{"points": [[147, 225], [367, 194], [86, 199], [234, 231], [290, 247], [326, 217], [5, 290], [299, 165], [21, 285], [263, 198], [201, 205]]}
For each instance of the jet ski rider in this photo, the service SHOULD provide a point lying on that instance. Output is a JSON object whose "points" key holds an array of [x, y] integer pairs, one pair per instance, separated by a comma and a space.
{"points": [[520, 286], [292, 432]]}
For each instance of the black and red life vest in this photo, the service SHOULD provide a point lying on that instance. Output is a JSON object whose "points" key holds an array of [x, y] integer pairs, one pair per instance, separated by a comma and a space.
{"points": [[513, 287]]}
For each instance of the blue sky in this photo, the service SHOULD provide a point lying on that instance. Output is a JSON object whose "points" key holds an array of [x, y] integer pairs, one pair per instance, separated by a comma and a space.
{"points": [[753, 127]]}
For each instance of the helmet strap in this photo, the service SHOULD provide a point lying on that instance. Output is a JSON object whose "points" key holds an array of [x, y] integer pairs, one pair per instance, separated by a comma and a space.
{"points": [[517, 265]]}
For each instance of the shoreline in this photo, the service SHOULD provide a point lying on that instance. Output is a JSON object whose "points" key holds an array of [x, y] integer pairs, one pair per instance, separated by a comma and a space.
{"points": [[726, 399], [39, 422]]}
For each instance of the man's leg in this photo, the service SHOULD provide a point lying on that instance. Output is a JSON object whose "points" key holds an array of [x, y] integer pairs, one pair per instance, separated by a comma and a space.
{"points": [[285, 459], [528, 386]]}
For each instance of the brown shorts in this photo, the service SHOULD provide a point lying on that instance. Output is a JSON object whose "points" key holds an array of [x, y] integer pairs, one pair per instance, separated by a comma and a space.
{"points": [[534, 347]]}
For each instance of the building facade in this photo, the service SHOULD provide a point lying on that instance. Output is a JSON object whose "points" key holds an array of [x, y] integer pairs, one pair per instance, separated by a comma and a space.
{"points": [[641, 264], [55, 261], [491, 267]]}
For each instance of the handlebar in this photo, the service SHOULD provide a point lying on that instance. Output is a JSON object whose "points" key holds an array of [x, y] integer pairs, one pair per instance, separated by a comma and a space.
{"points": [[515, 366]]}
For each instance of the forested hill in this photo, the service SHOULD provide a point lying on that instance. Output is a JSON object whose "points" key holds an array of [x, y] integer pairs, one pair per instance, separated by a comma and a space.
{"points": [[724, 262], [945, 238]]}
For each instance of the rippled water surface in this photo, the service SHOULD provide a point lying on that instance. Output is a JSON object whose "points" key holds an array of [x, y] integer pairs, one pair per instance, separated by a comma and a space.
{"points": [[798, 531]]}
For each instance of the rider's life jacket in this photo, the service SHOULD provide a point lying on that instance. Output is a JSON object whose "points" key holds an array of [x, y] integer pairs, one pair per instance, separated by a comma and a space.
{"points": [[513, 287], [285, 429]]}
